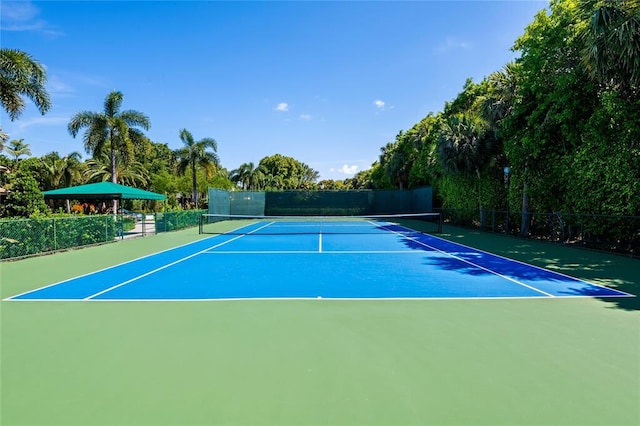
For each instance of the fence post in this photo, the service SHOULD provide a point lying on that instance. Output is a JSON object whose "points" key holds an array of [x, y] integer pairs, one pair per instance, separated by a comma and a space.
{"points": [[55, 236], [493, 220], [506, 228]]}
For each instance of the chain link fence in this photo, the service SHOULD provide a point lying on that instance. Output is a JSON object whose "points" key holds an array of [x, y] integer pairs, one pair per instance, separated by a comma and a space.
{"points": [[27, 237], [615, 233], [174, 221]]}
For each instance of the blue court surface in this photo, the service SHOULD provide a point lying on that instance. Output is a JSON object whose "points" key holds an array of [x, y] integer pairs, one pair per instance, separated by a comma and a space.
{"points": [[347, 261]]}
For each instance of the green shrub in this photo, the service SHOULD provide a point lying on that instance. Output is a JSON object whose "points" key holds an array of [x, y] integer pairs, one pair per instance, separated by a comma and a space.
{"points": [[24, 237], [176, 220]]}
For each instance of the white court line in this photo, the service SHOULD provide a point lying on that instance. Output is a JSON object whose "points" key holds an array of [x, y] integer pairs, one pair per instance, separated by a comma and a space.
{"points": [[12, 298], [159, 269], [537, 267], [342, 299], [547, 295], [622, 293], [458, 258], [323, 252], [473, 264], [109, 267], [171, 264]]}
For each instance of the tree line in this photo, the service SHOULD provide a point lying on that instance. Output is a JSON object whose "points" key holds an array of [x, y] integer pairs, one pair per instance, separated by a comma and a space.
{"points": [[121, 153], [563, 119]]}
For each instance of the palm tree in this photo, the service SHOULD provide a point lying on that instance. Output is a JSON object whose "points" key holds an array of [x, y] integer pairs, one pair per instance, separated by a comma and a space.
{"points": [[392, 161], [308, 175], [241, 174], [397, 158], [111, 130], [132, 173], [612, 51], [274, 182], [499, 104], [502, 94], [17, 148], [61, 172], [194, 154], [249, 176], [21, 75], [466, 147]]}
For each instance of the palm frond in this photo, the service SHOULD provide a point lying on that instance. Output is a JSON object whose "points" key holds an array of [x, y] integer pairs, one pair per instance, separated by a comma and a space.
{"points": [[21, 75], [135, 119], [112, 103]]}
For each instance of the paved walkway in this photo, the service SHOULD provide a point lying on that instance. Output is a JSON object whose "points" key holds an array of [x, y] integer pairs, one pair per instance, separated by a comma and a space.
{"points": [[143, 228]]}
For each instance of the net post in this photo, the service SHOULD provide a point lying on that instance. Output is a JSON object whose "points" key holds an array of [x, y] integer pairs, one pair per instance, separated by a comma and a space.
{"points": [[440, 220], [200, 223]]}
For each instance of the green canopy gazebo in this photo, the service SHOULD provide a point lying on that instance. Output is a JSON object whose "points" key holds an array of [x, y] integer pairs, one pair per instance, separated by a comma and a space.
{"points": [[106, 191], [103, 191]]}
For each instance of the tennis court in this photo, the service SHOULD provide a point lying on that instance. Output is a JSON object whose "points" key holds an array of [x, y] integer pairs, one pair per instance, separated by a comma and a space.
{"points": [[318, 258], [383, 354]]}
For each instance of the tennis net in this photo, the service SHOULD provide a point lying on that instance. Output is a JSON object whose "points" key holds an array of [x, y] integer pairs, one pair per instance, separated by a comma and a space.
{"points": [[276, 225]]}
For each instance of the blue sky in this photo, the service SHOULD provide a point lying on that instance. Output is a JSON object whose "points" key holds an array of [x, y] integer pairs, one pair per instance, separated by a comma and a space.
{"points": [[328, 83]]}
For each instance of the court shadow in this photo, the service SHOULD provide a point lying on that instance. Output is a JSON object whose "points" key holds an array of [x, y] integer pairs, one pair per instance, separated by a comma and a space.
{"points": [[473, 262], [626, 303], [483, 264], [605, 269]]}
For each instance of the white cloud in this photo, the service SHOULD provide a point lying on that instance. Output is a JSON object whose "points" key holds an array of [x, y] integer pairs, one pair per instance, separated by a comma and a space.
{"points": [[346, 169], [48, 120], [282, 106], [378, 103], [452, 43], [305, 117], [56, 86], [23, 16], [19, 11]]}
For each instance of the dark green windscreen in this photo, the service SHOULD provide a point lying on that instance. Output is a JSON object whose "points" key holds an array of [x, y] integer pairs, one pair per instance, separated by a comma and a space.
{"points": [[300, 203], [247, 202], [219, 201]]}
